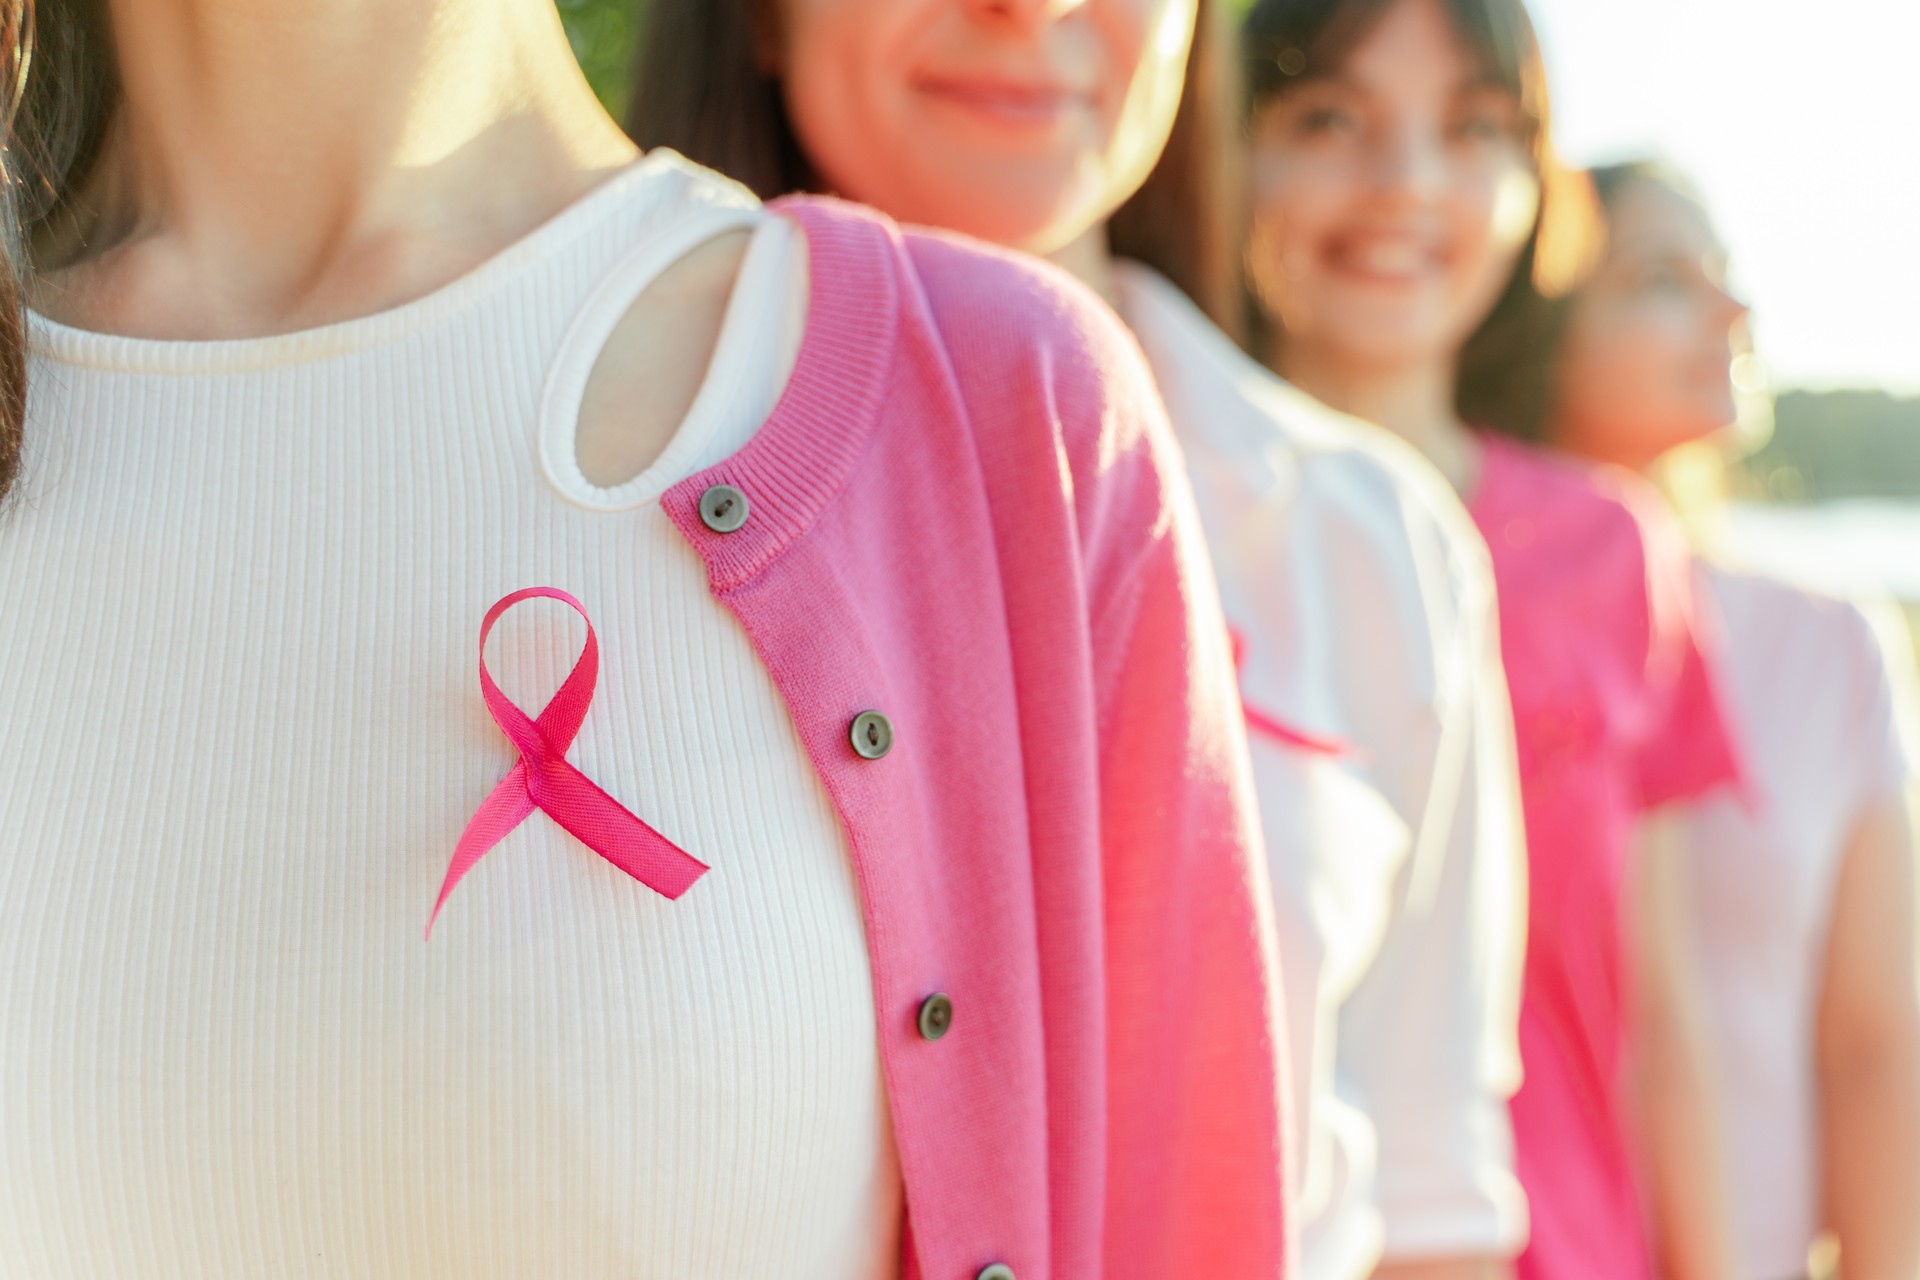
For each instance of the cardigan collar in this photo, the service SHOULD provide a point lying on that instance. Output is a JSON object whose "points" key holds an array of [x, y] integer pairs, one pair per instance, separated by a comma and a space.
{"points": [[801, 457]]}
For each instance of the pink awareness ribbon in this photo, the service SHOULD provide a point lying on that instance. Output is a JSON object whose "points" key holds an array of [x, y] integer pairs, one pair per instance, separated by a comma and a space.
{"points": [[1260, 722], [542, 779]]}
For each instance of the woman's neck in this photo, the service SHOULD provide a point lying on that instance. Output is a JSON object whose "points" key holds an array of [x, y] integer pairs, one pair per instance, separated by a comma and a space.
{"points": [[276, 164], [1414, 401], [1089, 258]]}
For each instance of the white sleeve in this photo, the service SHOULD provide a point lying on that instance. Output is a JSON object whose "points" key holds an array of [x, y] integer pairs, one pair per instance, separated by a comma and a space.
{"points": [[1427, 1041], [1889, 713]]}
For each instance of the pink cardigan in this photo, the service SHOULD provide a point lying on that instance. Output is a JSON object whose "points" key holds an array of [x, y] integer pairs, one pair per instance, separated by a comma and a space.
{"points": [[967, 513]]}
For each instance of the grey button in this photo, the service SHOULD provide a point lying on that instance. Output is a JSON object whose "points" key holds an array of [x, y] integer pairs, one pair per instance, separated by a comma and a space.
{"points": [[723, 508], [872, 735], [936, 1016], [998, 1271]]}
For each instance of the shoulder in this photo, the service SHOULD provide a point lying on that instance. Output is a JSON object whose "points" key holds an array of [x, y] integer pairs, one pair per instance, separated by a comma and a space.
{"points": [[1383, 541], [1032, 333], [1807, 629], [1041, 361], [1581, 517], [1581, 496], [1049, 387], [1748, 595], [1250, 436], [1330, 536], [1389, 485], [1008, 324]]}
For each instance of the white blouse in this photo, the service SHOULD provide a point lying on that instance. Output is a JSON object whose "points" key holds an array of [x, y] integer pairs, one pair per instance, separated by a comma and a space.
{"points": [[243, 590], [1364, 599], [1820, 690]]}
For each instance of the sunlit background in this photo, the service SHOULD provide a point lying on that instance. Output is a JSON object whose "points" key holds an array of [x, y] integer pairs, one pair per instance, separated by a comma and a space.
{"points": [[1801, 125], [1798, 123], [1798, 120]]}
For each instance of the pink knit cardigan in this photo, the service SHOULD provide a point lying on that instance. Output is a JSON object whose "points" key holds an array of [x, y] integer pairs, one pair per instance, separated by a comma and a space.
{"points": [[967, 513]]}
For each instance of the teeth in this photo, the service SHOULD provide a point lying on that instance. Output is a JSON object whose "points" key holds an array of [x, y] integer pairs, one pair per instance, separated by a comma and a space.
{"points": [[1390, 258]]}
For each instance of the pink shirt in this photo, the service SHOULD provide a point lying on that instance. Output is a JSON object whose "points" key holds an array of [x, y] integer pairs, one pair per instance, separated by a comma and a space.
{"points": [[1615, 713], [967, 512]]}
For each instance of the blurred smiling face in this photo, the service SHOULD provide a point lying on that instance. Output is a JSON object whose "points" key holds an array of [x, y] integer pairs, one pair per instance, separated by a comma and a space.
{"points": [[1393, 195], [1647, 361], [1023, 122]]}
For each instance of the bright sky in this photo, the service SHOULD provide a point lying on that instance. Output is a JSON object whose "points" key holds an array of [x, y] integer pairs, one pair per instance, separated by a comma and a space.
{"points": [[1801, 123]]}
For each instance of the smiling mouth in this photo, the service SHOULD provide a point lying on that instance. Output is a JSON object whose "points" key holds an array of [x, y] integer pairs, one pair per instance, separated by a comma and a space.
{"points": [[1387, 261], [1003, 102]]}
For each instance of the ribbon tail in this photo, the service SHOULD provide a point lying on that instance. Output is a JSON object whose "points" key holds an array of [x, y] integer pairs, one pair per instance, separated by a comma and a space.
{"points": [[1262, 723], [599, 821], [505, 807]]}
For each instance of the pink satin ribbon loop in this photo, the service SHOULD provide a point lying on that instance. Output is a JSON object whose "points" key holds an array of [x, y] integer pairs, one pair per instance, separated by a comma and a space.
{"points": [[542, 778]]}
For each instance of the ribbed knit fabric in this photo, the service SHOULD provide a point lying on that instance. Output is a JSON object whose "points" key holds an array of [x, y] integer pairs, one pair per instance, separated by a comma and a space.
{"points": [[239, 607]]}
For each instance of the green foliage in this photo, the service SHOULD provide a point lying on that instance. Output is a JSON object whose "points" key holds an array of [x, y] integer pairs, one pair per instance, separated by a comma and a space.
{"points": [[603, 34], [1840, 444]]}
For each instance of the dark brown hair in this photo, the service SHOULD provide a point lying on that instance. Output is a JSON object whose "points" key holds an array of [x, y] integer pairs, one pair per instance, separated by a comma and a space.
{"points": [[702, 87], [1502, 380], [1609, 180], [58, 96], [1535, 356]]}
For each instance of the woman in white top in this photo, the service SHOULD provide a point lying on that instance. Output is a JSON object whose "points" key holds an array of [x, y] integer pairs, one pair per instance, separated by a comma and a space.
{"points": [[1803, 894], [1359, 590], [350, 320]]}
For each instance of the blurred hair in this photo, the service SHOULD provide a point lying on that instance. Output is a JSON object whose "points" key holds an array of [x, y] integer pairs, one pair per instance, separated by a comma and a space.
{"points": [[1503, 381], [1609, 180], [58, 91], [1188, 221], [703, 86]]}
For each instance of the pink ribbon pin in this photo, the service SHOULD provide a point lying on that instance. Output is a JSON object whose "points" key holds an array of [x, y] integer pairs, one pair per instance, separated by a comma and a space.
{"points": [[1260, 722], [542, 779]]}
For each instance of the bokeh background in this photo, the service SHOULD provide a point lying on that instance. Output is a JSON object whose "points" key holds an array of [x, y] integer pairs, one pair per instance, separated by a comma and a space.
{"points": [[604, 37], [1798, 122]]}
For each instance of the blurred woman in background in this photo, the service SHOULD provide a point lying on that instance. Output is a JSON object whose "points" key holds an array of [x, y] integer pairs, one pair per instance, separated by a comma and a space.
{"points": [[1409, 218], [1102, 134], [351, 327], [1802, 902]]}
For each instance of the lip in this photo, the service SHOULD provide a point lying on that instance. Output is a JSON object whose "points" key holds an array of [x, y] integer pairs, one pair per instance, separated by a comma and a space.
{"points": [[1008, 103], [1385, 260]]}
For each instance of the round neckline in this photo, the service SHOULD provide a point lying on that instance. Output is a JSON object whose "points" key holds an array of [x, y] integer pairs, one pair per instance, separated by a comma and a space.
{"points": [[94, 349], [558, 417]]}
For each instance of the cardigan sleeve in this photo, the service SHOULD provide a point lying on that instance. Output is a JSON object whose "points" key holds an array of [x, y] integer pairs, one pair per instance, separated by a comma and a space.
{"points": [[1192, 1002], [1126, 675], [1195, 1052]]}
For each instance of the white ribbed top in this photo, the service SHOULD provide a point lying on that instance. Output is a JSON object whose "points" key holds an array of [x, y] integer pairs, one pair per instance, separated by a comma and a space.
{"points": [[243, 731]]}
